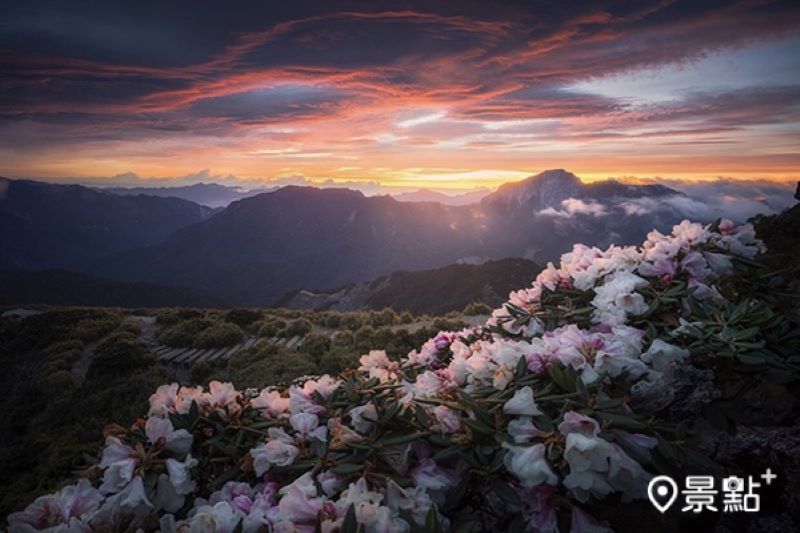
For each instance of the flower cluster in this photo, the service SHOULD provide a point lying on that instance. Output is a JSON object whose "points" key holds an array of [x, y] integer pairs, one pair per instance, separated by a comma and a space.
{"points": [[530, 410]]}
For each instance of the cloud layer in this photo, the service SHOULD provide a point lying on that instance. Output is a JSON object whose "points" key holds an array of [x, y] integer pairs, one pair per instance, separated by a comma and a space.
{"points": [[738, 200], [454, 94]]}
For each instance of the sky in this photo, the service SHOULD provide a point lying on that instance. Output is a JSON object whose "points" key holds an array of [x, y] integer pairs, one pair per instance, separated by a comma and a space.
{"points": [[451, 95]]}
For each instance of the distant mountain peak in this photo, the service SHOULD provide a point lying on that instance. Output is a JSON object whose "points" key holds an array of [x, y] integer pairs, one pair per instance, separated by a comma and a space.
{"points": [[545, 189]]}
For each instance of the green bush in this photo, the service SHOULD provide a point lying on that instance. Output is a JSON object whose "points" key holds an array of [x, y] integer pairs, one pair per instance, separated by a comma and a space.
{"points": [[338, 358], [218, 335], [332, 320], [183, 333], [271, 329], [268, 365], [92, 329], [131, 326], [119, 354], [54, 365], [56, 382], [351, 321], [315, 345], [64, 346], [477, 308], [243, 317], [343, 338], [299, 327], [200, 372]]}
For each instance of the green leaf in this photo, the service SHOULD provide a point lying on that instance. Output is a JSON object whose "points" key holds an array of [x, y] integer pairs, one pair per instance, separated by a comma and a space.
{"points": [[478, 427], [228, 475], [561, 378], [751, 358], [432, 520], [350, 524], [400, 439], [522, 368], [746, 333], [506, 493], [347, 469], [447, 453], [621, 420]]}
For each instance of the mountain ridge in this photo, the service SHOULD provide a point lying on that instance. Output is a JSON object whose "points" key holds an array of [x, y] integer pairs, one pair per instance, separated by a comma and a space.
{"points": [[260, 247], [44, 225], [434, 291], [209, 194]]}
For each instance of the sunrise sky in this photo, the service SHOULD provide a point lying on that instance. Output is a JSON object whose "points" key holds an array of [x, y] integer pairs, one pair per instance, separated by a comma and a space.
{"points": [[445, 94]]}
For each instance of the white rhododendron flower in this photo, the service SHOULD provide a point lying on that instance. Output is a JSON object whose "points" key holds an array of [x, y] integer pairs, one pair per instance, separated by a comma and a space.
{"points": [[363, 417], [447, 419], [161, 433], [279, 450], [522, 430], [119, 462], [377, 364], [271, 403], [529, 465], [65, 510], [522, 403], [661, 354]]}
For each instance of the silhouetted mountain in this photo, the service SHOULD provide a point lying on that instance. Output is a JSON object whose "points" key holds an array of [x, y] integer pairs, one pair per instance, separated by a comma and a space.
{"points": [[551, 187], [427, 195], [69, 226], [259, 248], [208, 194], [60, 287], [435, 291]]}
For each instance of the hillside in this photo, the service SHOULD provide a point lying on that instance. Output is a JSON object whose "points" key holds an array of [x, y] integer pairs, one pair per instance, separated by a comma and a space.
{"points": [[258, 248], [435, 291], [44, 225]]}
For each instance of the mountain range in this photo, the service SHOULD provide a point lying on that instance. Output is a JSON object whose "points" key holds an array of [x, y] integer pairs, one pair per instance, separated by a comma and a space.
{"points": [[427, 195], [434, 292], [208, 194], [44, 225], [259, 248]]}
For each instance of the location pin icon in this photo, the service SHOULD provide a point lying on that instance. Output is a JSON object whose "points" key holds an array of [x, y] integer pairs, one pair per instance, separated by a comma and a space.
{"points": [[662, 491]]}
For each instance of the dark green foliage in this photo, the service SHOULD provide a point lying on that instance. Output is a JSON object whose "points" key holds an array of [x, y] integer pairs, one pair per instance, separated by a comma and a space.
{"points": [[385, 317], [299, 327], [52, 421], [477, 308], [271, 328], [119, 352], [218, 335], [316, 345], [183, 333], [266, 364], [201, 372], [332, 320], [243, 317]]}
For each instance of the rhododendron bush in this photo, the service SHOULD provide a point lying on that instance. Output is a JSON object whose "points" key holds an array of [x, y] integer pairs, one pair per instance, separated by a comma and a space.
{"points": [[551, 415]]}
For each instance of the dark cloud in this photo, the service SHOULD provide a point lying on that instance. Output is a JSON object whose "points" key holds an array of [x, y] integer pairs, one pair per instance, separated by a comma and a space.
{"points": [[79, 72]]}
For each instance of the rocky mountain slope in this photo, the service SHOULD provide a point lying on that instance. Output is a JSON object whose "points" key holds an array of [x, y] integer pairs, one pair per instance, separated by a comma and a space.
{"points": [[434, 291], [44, 225]]}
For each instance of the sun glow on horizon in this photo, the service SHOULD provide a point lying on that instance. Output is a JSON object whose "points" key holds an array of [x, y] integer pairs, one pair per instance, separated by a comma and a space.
{"points": [[467, 101]]}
